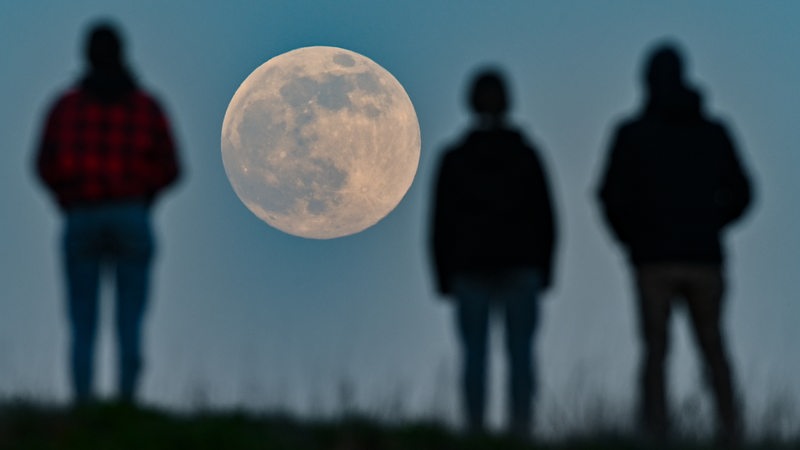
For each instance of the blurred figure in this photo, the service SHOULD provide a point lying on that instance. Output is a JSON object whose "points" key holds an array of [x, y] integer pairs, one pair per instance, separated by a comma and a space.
{"points": [[673, 182], [492, 243], [105, 154]]}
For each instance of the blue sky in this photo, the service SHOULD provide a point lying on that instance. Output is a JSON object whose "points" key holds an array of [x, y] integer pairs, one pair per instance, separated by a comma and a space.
{"points": [[243, 314]]}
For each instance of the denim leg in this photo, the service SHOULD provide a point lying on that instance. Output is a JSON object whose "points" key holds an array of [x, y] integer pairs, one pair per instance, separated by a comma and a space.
{"points": [[473, 319], [82, 249], [518, 293], [133, 251]]}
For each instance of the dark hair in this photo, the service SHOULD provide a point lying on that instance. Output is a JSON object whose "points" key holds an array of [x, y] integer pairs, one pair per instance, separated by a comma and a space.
{"points": [[104, 46], [488, 94], [664, 65]]}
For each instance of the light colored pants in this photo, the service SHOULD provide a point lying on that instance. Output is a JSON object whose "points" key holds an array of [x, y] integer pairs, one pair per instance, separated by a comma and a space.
{"points": [[700, 287]]}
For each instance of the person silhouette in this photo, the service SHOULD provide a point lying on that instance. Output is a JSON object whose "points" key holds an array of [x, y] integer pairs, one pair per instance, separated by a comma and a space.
{"points": [[492, 243], [105, 154], [672, 183]]}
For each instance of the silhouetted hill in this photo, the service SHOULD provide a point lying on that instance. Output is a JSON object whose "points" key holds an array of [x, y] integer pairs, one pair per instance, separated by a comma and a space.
{"points": [[120, 427]]}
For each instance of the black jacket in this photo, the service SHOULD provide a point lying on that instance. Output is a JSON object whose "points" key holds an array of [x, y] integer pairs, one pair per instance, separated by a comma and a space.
{"points": [[492, 208], [673, 181]]}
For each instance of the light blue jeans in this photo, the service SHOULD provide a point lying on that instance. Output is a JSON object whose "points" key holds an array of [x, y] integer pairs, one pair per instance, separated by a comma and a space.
{"points": [[116, 237], [515, 292]]}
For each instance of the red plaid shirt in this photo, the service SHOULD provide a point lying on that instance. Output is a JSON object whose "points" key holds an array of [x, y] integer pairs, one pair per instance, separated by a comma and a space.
{"points": [[93, 151]]}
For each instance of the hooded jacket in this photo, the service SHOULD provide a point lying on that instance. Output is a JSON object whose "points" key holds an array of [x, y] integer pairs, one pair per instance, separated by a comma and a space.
{"points": [[492, 208], [673, 181]]}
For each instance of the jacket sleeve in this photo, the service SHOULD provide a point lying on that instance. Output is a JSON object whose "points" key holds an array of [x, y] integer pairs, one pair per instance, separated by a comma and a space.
{"points": [[616, 187], [735, 191], [47, 161], [441, 227], [547, 222], [163, 158]]}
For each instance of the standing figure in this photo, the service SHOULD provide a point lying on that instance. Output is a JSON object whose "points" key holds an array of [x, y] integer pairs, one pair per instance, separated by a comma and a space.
{"points": [[673, 182], [492, 243], [105, 154]]}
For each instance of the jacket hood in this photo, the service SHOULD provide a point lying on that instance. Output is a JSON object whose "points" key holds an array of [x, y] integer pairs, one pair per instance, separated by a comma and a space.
{"points": [[677, 103], [108, 84], [670, 97]]}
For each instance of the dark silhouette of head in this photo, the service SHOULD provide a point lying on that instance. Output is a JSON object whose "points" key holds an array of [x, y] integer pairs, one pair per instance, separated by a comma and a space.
{"points": [[488, 96], [669, 95], [104, 48], [664, 68], [107, 75]]}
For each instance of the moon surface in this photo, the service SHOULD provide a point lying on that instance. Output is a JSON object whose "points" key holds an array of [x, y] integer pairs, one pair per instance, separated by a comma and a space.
{"points": [[320, 142]]}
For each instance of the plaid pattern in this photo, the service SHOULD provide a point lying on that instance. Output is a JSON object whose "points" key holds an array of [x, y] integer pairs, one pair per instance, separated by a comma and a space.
{"points": [[93, 151]]}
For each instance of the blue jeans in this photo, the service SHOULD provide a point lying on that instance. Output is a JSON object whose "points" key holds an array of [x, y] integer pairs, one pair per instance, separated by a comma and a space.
{"points": [[115, 237], [515, 292]]}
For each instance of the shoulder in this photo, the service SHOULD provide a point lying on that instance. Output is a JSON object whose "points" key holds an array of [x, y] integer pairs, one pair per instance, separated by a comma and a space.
{"points": [[145, 98], [717, 124], [454, 154], [67, 98], [451, 153], [457, 145], [508, 137], [634, 130], [631, 124], [519, 146], [66, 104], [71, 95]]}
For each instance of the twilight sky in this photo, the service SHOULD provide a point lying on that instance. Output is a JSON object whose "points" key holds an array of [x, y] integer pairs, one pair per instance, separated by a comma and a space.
{"points": [[243, 314]]}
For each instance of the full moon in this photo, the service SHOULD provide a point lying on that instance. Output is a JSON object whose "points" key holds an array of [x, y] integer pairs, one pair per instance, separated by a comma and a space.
{"points": [[320, 142]]}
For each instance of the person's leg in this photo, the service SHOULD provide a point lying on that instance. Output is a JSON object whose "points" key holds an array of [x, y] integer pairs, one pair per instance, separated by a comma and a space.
{"points": [[472, 314], [82, 252], [134, 247], [704, 297], [518, 293], [656, 288]]}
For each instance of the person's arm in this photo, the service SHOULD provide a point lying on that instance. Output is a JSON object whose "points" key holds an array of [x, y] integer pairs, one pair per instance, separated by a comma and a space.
{"points": [[735, 193], [48, 162], [163, 161], [615, 189], [441, 228], [546, 216]]}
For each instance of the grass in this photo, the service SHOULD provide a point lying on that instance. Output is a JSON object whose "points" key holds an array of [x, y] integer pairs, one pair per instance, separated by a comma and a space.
{"points": [[24, 425]]}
